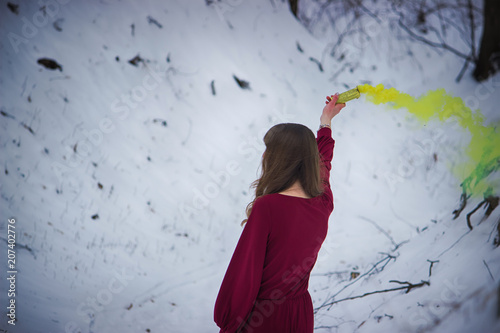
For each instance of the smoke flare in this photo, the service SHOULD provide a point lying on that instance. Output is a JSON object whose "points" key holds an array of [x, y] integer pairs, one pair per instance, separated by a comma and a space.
{"points": [[483, 150]]}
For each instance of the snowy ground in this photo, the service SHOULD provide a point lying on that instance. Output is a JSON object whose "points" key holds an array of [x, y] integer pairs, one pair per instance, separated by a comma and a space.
{"points": [[127, 183]]}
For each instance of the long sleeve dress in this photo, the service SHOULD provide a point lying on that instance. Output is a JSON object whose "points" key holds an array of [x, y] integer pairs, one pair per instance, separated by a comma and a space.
{"points": [[265, 286]]}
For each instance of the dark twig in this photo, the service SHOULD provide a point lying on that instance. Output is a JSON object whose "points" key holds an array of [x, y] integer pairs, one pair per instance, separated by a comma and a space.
{"points": [[151, 20], [28, 128], [441, 21], [473, 211], [384, 260], [299, 48], [49, 64], [340, 70], [347, 31], [496, 241], [462, 71], [432, 264], [317, 62], [386, 234], [443, 6], [5, 114], [408, 286], [441, 45], [212, 87], [13, 8], [136, 60], [472, 34], [463, 203], [455, 243], [488, 268], [338, 273], [491, 203], [22, 246], [367, 11], [396, 245], [498, 302], [241, 83]]}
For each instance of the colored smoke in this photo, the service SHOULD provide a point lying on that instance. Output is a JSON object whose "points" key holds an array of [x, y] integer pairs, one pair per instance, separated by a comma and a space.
{"points": [[483, 150]]}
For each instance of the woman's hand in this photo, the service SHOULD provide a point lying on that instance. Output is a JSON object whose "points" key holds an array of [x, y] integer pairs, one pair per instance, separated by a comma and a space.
{"points": [[331, 109]]}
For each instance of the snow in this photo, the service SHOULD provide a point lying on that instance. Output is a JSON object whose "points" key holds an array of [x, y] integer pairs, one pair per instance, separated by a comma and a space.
{"points": [[175, 163]]}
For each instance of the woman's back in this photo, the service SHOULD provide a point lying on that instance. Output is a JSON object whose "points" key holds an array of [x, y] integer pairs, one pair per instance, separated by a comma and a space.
{"points": [[298, 227], [265, 286]]}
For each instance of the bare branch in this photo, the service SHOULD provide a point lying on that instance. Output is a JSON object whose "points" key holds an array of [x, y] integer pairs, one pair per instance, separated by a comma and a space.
{"points": [[492, 203], [455, 243], [462, 71], [472, 212], [432, 264], [370, 13], [386, 234], [408, 286], [317, 62], [372, 270], [396, 245], [441, 45], [472, 33], [463, 203], [488, 268]]}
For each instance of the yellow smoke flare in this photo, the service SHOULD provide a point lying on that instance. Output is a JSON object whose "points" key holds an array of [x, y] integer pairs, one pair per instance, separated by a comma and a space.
{"points": [[484, 148]]}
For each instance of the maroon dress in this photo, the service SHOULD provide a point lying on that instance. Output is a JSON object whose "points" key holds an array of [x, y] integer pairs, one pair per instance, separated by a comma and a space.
{"points": [[265, 286]]}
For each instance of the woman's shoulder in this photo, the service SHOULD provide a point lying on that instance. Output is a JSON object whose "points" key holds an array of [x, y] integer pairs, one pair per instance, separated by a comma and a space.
{"points": [[265, 200], [278, 199], [268, 201]]}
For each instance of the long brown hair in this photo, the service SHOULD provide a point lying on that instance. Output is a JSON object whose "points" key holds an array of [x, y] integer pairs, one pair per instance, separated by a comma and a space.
{"points": [[291, 154]]}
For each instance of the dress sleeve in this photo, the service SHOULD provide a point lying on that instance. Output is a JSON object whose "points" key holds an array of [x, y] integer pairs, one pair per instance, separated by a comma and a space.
{"points": [[241, 283], [325, 147]]}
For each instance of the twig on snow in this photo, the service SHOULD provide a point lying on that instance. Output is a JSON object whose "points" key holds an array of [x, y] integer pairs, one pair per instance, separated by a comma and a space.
{"points": [[488, 268], [384, 260], [432, 264], [463, 203], [491, 203], [396, 245], [472, 212], [408, 286]]}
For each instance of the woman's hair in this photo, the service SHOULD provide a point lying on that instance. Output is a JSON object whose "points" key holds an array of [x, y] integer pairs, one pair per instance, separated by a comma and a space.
{"points": [[291, 154]]}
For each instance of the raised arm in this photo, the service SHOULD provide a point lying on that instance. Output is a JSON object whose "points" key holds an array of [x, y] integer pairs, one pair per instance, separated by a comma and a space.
{"points": [[326, 145], [330, 110]]}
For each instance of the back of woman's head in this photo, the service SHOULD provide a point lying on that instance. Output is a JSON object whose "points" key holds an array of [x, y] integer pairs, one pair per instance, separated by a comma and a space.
{"points": [[291, 155]]}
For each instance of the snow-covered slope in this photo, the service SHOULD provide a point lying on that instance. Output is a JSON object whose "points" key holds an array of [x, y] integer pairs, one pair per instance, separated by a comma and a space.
{"points": [[128, 182]]}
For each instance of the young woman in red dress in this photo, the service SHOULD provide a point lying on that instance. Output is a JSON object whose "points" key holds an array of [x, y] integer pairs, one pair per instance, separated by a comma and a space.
{"points": [[265, 286]]}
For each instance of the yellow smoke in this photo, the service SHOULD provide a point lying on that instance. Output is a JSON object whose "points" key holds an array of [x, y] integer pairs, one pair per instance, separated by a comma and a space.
{"points": [[484, 148]]}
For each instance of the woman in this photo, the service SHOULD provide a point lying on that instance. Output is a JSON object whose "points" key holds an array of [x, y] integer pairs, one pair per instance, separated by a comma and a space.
{"points": [[265, 286]]}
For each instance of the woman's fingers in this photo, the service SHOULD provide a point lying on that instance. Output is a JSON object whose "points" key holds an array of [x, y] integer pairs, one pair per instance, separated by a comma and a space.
{"points": [[334, 98]]}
